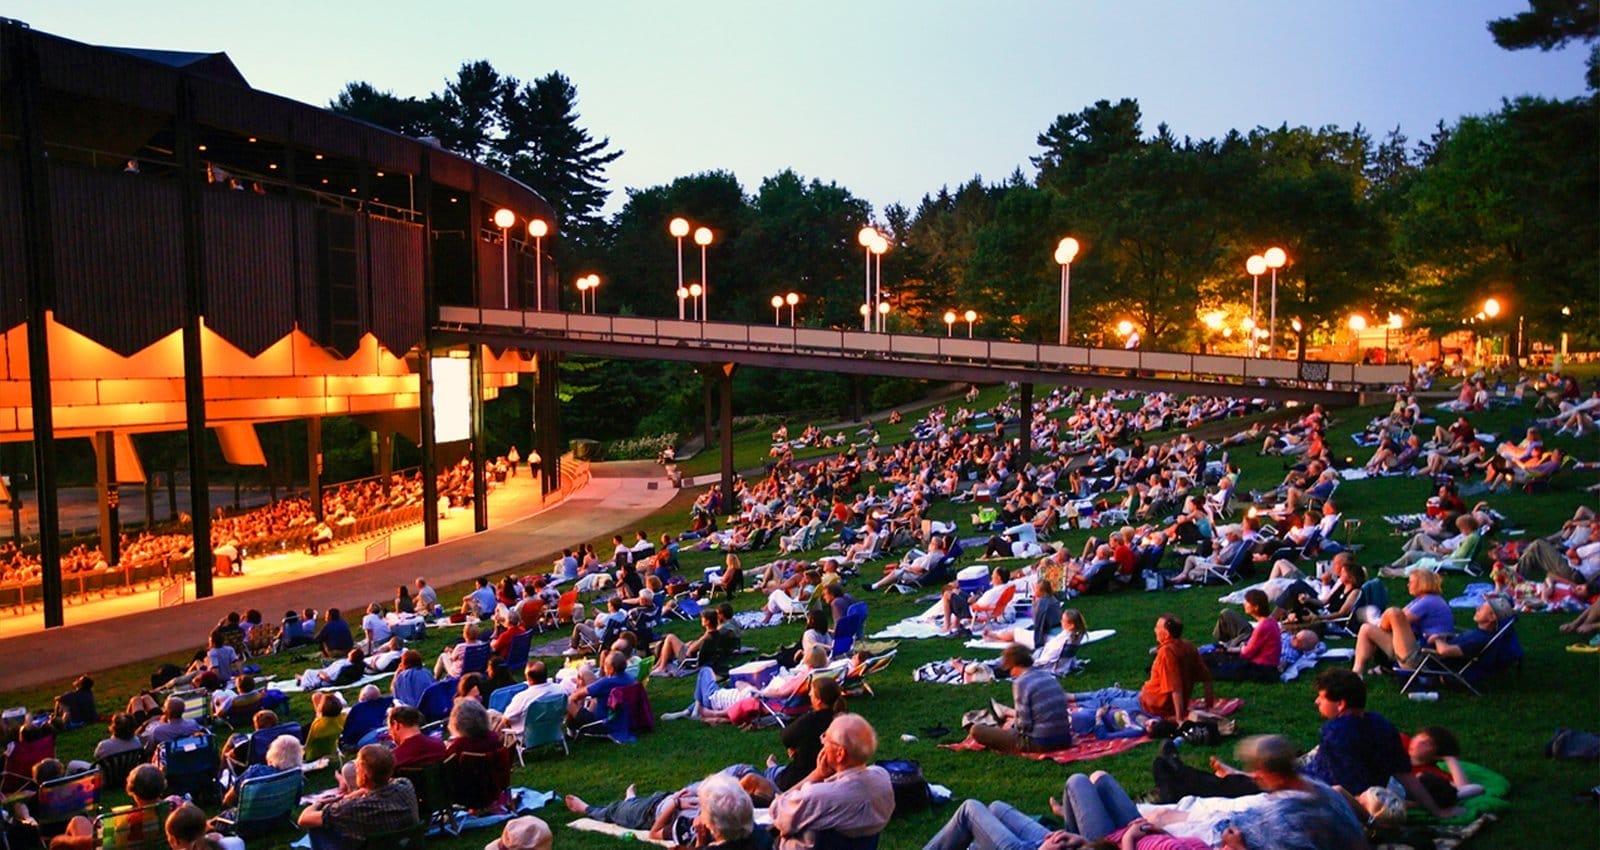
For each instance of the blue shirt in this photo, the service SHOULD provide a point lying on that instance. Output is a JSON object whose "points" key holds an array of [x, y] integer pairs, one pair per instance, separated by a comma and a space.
{"points": [[410, 683], [486, 600], [336, 637], [1358, 751], [569, 567], [1318, 819], [1433, 615]]}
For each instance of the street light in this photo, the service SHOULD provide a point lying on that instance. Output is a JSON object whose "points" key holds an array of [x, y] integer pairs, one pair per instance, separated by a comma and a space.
{"points": [[1066, 250], [679, 228], [1275, 260], [1396, 322], [538, 228], [1491, 307], [503, 219], [878, 247], [777, 309], [791, 299], [1357, 322], [971, 316], [866, 237], [1124, 327], [683, 295], [1256, 266], [695, 292], [702, 237], [949, 323], [883, 315]]}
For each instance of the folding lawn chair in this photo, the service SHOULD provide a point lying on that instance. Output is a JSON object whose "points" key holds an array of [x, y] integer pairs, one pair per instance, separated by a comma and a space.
{"points": [[134, 828], [63, 798], [265, 803], [364, 718], [191, 766], [1503, 650], [545, 723]]}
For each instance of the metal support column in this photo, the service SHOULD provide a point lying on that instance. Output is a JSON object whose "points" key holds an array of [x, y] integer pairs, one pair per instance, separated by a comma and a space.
{"points": [[707, 377], [191, 178], [17, 51], [547, 420], [314, 464], [105, 469], [430, 464], [480, 478]]}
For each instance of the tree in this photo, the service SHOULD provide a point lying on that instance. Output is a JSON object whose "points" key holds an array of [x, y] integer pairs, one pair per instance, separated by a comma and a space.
{"points": [[1076, 144], [544, 146], [1549, 24], [403, 115]]}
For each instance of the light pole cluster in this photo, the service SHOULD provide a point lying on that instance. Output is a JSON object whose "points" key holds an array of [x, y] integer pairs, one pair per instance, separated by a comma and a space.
{"points": [[873, 304], [538, 229], [690, 293], [589, 293], [778, 301], [950, 322], [1271, 259], [679, 228]]}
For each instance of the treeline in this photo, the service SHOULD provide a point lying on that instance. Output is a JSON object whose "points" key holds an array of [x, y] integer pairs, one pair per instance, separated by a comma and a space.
{"points": [[1505, 204]]}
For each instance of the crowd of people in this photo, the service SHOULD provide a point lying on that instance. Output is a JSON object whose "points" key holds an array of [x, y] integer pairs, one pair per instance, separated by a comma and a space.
{"points": [[1122, 465]]}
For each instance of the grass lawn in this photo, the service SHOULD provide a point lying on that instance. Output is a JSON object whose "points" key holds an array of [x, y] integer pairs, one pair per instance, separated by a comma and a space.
{"points": [[1503, 730]]}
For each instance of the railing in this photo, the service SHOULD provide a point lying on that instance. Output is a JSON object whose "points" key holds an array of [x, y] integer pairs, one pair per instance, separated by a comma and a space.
{"points": [[1004, 354], [574, 475]]}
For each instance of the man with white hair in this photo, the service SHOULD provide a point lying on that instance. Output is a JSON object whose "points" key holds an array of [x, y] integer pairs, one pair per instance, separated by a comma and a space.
{"points": [[726, 820], [1195, 567], [845, 794]]}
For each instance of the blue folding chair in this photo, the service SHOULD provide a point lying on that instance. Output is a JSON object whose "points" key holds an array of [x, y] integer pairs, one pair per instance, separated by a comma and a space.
{"points": [[191, 766], [364, 717], [475, 659], [501, 697], [517, 653], [437, 700]]}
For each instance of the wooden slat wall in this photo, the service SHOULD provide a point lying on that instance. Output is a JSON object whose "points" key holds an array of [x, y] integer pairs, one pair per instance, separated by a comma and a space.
{"points": [[118, 256], [397, 302], [13, 284], [249, 271]]}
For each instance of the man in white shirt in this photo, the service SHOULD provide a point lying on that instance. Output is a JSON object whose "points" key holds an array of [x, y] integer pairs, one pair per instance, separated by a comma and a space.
{"points": [[539, 685]]}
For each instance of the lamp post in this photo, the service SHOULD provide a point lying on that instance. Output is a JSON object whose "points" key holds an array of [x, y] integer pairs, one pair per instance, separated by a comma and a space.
{"points": [[1275, 260], [679, 228], [1066, 250], [1299, 341], [866, 237], [883, 315], [697, 293], [1256, 265], [879, 246], [503, 219], [683, 295], [1396, 322], [777, 310], [538, 228], [971, 316], [583, 294], [1491, 309], [702, 237], [1357, 324], [949, 323], [791, 299]]}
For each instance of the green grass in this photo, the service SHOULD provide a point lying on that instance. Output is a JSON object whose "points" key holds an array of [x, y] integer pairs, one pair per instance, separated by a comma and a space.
{"points": [[1503, 730]]}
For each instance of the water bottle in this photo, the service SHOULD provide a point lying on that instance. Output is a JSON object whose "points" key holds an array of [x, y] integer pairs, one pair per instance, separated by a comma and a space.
{"points": [[1425, 696]]}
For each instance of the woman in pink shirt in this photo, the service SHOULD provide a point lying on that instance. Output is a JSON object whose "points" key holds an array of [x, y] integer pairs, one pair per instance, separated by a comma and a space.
{"points": [[1257, 660]]}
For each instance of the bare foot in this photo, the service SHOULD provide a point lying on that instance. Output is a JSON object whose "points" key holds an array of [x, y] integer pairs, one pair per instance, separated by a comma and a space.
{"points": [[1055, 807], [576, 805], [633, 791]]}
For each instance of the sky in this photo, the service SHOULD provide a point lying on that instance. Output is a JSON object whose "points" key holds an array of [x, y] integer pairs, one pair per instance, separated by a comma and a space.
{"points": [[890, 99]]}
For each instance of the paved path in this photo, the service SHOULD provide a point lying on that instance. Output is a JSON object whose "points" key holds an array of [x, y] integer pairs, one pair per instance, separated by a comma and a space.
{"points": [[128, 628]]}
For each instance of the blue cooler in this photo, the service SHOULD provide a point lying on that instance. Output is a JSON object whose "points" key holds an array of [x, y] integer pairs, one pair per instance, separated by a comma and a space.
{"points": [[973, 579]]}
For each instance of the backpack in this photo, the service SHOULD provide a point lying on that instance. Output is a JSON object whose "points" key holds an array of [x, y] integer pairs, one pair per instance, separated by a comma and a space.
{"points": [[910, 786]]}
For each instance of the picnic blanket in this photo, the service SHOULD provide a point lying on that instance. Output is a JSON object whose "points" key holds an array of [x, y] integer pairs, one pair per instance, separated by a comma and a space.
{"points": [[1316, 656], [293, 686], [1089, 748], [919, 626], [753, 620], [611, 829], [1025, 624], [1093, 748], [1473, 595]]}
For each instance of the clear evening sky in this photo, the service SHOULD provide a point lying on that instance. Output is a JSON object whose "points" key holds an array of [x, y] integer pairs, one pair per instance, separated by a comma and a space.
{"points": [[889, 99]]}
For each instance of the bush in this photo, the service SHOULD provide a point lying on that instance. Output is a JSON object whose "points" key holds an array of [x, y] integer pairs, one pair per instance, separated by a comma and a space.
{"points": [[897, 391], [640, 448]]}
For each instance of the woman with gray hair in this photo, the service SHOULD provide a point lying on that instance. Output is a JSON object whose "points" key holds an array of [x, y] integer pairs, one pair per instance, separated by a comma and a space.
{"points": [[470, 736], [284, 753]]}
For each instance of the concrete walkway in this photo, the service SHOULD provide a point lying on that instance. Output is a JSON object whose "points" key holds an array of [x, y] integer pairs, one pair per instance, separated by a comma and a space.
{"points": [[122, 629]]}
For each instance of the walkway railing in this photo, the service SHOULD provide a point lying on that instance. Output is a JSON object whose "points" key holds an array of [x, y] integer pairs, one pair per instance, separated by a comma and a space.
{"points": [[858, 345]]}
